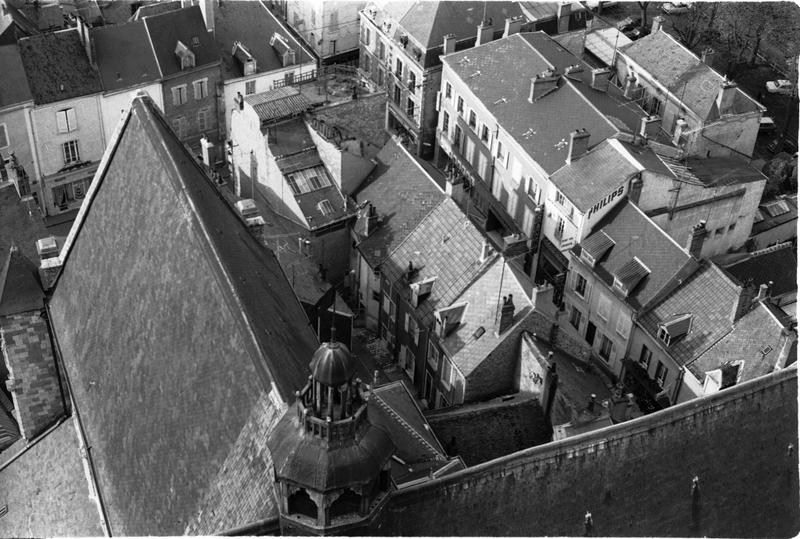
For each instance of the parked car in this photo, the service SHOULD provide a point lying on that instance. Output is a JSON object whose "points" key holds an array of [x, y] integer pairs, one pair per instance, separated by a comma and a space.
{"points": [[766, 125], [780, 86], [675, 8], [249, 212], [628, 23], [594, 4], [636, 33]]}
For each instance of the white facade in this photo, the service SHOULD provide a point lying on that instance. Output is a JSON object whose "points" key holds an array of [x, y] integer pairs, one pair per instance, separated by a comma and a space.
{"points": [[329, 27]]}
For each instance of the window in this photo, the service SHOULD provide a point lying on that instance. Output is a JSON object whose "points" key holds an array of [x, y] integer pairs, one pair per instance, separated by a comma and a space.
{"points": [[644, 357], [325, 207], [483, 166], [485, 133], [66, 120], [603, 307], [661, 374], [250, 87], [3, 136], [575, 318], [381, 50], [473, 119], [469, 149], [397, 95], [580, 285], [305, 181], [179, 95], [559, 232], [512, 204], [623, 325], [447, 373], [195, 41], [332, 47], [367, 36], [389, 308], [532, 190], [663, 335], [380, 77], [202, 119], [457, 138], [412, 82], [365, 63], [398, 70], [500, 154], [70, 152], [445, 123], [177, 126], [433, 356], [448, 90], [605, 347], [410, 108], [460, 106], [527, 221], [560, 198], [200, 88]]}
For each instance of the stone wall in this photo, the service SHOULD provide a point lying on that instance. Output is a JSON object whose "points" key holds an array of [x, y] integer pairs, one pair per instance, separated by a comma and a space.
{"points": [[33, 375], [636, 478]]}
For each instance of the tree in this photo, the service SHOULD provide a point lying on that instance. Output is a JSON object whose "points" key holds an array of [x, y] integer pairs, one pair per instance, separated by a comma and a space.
{"points": [[643, 8], [694, 27]]}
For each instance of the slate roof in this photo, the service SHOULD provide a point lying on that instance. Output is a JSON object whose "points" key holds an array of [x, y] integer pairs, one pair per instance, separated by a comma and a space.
{"points": [[428, 22], [777, 264], [713, 171], [753, 334], [46, 490], [252, 24], [603, 42], [647, 158], [361, 118], [595, 174], [445, 245], [166, 29], [763, 221], [185, 318], [637, 236], [710, 297], [684, 74], [20, 224], [499, 74], [57, 60], [124, 56], [309, 205], [20, 290], [402, 196], [481, 297], [13, 84], [278, 103]]}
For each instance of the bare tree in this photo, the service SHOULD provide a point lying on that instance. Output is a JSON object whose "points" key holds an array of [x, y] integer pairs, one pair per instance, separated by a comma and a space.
{"points": [[643, 9]]}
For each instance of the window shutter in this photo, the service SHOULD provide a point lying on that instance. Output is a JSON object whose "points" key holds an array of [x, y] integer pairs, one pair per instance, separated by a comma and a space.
{"points": [[72, 124], [176, 100], [61, 118], [196, 85], [408, 317]]}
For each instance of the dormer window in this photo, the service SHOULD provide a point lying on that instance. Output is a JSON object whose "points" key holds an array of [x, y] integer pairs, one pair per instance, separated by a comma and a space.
{"points": [[185, 56], [195, 42], [448, 319], [629, 276], [675, 329], [421, 290], [594, 247]]}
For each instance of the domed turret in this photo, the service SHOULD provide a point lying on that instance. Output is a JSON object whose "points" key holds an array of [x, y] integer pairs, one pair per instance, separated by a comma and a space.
{"points": [[332, 364]]}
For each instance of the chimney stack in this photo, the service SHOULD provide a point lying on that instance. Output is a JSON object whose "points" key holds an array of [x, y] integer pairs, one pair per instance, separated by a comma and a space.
{"points": [[600, 78], [506, 314], [635, 190], [708, 56], [449, 45], [592, 402], [696, 239], [485, 33], [649, 126], [542, 84], [727, 93], [630, 86], [789, 337], [513, 25], [764, 291], [744, 302], [578, 144], [657, 22], [563, 15], [680, 127]]}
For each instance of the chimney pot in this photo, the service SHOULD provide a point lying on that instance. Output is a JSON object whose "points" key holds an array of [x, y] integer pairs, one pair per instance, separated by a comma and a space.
{"points": [[578, 144], [485, 33]]}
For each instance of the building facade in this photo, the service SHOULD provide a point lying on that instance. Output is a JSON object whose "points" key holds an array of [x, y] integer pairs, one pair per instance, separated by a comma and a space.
{"points": [[330, 28]]}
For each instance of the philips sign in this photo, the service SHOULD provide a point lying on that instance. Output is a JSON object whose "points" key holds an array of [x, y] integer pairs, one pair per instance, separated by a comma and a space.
{"points": [[608, 199]]}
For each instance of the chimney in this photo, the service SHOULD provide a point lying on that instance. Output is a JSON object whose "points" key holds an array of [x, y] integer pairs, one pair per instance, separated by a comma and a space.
{"points": [[513, 25], [485, 33], [207, 151], [506, 314], [696, 239], [657, 22], [680, 127], [240, 100], [486, 251], [789, 337], [708, 56], [592, 402], [543, 84], [764, 291], [727, 93], [550, 386], [635, 190], [410, 271], [649, 126], [449, 45], [744, 302], [563, 15], [578, 144], [630, 86], [600, 78], [371, 222], [208, 8]]}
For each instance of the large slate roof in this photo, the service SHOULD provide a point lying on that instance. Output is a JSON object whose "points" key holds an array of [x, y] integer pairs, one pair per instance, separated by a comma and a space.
{"points": [[13, 84], [179, 333], [124, 55], [777, 264], [184, 25], [20, 290]]}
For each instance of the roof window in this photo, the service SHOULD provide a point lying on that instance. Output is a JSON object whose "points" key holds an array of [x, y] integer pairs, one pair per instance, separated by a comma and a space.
{"points": [[185, 56], [325, 207], [675, 329]]}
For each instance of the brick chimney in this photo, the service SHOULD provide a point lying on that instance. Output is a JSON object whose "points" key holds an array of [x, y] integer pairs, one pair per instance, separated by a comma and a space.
{"points": [[635, 190], [600, 78], [485, 33], [563, 15], [744, 302], [449, 44], [578, 144], [727, 93], [513, 25], [657, 22], [649, 126], [543, 84], [696, 239], [630, 86], [506, 314]]}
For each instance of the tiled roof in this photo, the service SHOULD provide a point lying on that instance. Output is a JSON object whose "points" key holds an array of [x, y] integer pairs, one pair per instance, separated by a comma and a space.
{"points": [[481, 296], [184, 25], [124, 56], [46, 492], [278, 103], [637, 236], [755, 340], [13, 84], [710, 297], [428, 22], [499, 74], [586, 180], [778, 265], [763, 221], [445, 245], [252, 24], [684, 74], [57, 67], [196, 329], [20, 290], [402, 196]]}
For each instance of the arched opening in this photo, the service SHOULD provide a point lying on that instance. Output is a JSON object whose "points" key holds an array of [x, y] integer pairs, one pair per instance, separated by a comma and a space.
{"points": [[301, 503], [346, 504]]}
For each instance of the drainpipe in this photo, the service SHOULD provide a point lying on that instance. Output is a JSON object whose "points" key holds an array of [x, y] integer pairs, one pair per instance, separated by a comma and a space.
{"points": [[35, 157]]}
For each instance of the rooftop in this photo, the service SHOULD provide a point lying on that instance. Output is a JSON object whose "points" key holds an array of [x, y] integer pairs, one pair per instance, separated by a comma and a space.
{"points": [[361, 119], [21, 224], [684, 74], [124, 56], [542, 11], [774, 213], [20, 290], [279, 103], [713, 171], [187, 26], [777, 264], [57, 67], [402, 195], [206, 454], [13, 84]]}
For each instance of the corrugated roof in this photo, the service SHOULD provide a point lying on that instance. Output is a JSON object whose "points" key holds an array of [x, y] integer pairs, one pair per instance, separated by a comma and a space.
{"points": [[279, 103], [597, 244], [604, 43]]}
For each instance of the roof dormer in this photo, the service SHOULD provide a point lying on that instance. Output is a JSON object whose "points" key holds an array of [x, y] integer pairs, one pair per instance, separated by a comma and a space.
{"points": [[244, 57], [449, 319], [185, 56], [594, 247], [676, 328], [421, 290], [629, 276]]}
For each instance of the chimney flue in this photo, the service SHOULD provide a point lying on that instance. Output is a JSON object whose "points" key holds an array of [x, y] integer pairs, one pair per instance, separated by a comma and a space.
{"points": [[506, 314], [513, 26], [449, 45], [542, 84], [696, 239], [485, 33], [578, 144]]}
